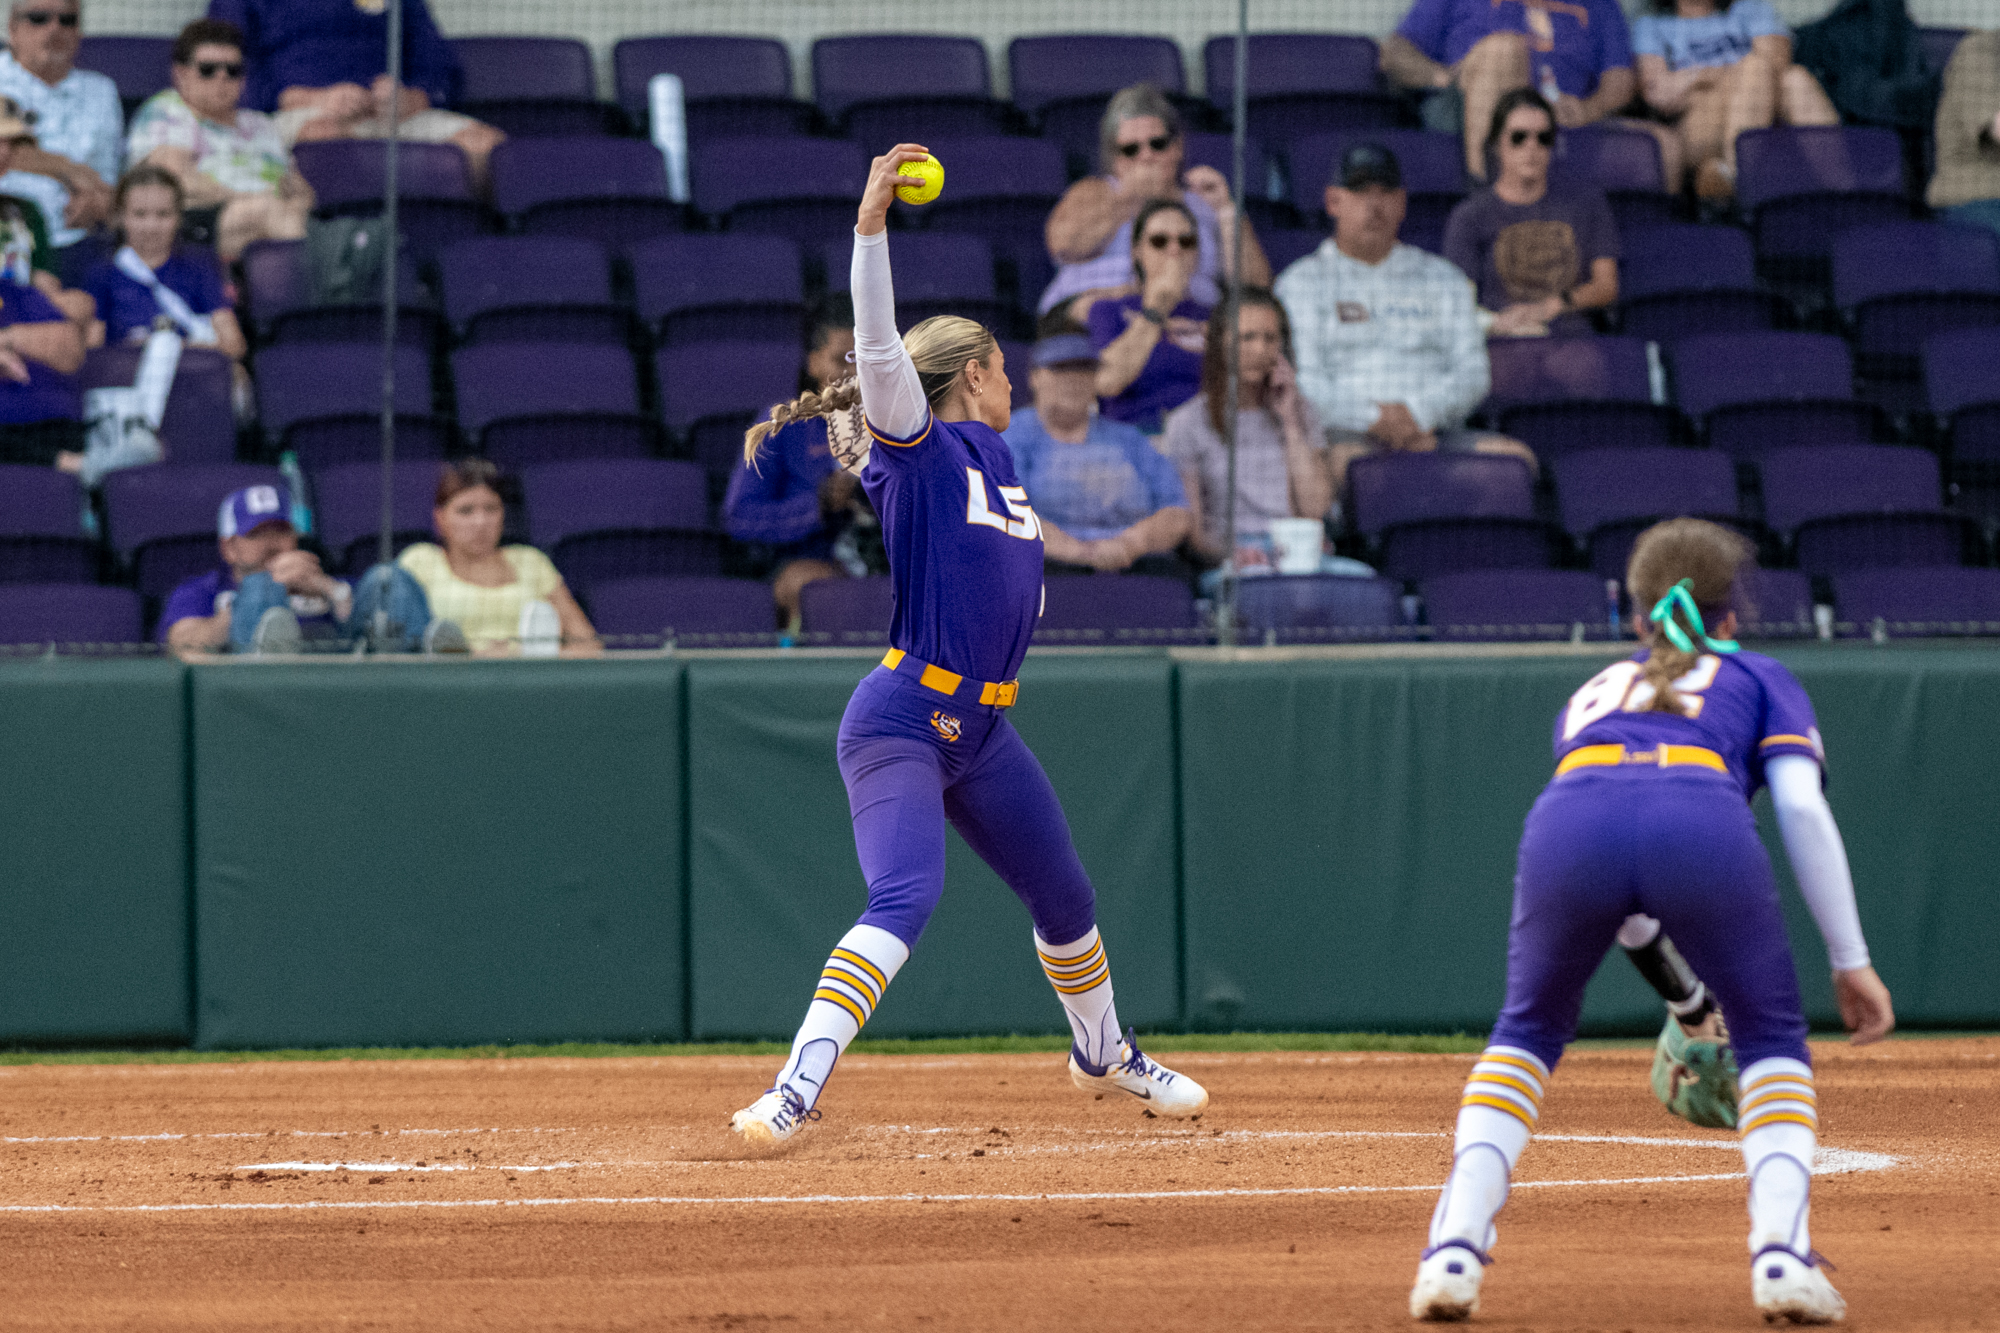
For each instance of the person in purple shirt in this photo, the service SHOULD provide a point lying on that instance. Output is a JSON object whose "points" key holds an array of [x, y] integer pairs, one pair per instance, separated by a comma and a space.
{"points": [[149, 276], [1149, 344], [41, 409], [321, 64]]}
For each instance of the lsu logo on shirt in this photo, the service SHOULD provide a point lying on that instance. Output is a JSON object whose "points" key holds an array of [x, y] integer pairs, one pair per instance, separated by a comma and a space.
{"points": [[945, 725]]}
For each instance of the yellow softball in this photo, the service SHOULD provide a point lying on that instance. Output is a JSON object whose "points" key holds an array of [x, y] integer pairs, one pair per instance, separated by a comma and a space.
{"points": [[926, 181]]}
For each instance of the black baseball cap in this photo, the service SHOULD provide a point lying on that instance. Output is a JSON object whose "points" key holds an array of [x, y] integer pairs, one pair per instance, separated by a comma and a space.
{"points": [[1369, 164]]}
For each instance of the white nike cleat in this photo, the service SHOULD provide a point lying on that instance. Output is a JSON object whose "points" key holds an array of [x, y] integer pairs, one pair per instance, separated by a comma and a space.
{"points": [[772, 1118], [1448, 1278], [1788, 1285], [1164, 1092]]}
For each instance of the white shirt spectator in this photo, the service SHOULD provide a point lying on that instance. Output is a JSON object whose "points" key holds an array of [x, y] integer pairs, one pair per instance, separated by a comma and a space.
{"points": [[248, 157], [1402, 331], [79, 118]]}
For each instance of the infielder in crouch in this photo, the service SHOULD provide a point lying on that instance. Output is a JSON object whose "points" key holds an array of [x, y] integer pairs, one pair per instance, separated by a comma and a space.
{"points": [[1657, 758], [925, 739]]}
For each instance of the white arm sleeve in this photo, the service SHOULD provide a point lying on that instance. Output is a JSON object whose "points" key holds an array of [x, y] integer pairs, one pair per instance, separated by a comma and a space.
{"points": [[891, 394], [1819, 860]]}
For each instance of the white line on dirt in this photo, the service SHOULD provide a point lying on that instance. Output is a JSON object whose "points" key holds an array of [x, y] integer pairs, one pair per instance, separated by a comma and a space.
{"points": [[255, 1134]]}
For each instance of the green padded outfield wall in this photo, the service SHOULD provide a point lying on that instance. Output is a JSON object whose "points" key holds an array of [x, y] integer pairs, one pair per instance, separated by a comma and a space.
{"points": [[93, 852], [437, 853], [774, 882]]}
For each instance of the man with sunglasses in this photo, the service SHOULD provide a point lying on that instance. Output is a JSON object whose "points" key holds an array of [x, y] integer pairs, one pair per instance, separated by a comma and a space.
{"points": [[78, 120], [229, 159]]}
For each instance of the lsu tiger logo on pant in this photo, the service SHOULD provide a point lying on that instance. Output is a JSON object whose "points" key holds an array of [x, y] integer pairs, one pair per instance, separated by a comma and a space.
{"points": [[945, 725]]}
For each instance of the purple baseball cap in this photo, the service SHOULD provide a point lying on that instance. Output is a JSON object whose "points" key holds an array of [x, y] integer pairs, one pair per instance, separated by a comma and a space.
{"points": [[251, 508], [1064, 349]]}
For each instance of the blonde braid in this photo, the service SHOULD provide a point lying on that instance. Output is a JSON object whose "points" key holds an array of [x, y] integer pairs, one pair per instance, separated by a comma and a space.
{"points": [[840, 396]]}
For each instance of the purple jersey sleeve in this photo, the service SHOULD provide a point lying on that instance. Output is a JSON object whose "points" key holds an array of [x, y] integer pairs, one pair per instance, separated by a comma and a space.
{"points": [[1789, 725]]}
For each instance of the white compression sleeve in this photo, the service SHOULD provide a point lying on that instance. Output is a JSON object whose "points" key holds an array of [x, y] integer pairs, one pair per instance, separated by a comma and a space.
{"points": [[891, 394], [1819, 860]]}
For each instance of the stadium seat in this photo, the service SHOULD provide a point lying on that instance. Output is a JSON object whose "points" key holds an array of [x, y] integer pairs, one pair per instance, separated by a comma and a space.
{"points": [[621, 518], [610, 190], [1064, 80], [1306, 607], [68, 613], [1561, 395], [1897, 283], [1002, 188], [937, 273], [199, 425], [1863, 506], [1218, 151], [848, 610], [435, 201], [1774, 603], [323, 401], [660, 608], [531, 289], [1300, 83], [1625, 164], [538, 402], [282, 310], [1513, 604], [1755, 392], [140, 66], [347, 510], [804, 189], [733, 86], [1802, 186], [1433, 173], [1438, 513], [160, 520], [1018, 356], [1609, 496], [1107, 609], [1680, 279], [1919, 601], [702, 287], [711, 392], [41, 527], [1285, 246], [1964, 394], [938, 87], [533, 86]]}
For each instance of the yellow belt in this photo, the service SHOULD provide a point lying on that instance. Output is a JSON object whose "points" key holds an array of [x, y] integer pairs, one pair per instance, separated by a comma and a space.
{"points": [[1662, 756], [994, 694]]}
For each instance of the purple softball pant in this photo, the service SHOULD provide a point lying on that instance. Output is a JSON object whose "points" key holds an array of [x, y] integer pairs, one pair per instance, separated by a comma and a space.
{"points": [[1676, 844], [914, 759]]}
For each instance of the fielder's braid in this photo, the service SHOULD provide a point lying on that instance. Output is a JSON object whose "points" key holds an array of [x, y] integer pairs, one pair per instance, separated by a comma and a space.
{"points": [[842, 396]]}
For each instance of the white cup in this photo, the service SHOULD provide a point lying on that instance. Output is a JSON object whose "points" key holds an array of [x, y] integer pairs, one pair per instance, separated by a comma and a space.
{"points": [[1296, 543]]}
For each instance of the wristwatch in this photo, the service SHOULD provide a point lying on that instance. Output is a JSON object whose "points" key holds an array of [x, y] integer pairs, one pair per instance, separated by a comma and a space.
{"points": [[1153, 315]]}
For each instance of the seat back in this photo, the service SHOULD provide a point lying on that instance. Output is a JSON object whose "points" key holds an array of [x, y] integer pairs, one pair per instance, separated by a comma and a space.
{"points": [[1393, 488], [347, 508], [532, 172], [302, 382], [1712, 371], [708, 66], [199, 425], [501, 272], [348, 173], [1959, 369], [1686, 258], [1934, 600], [725, 173], [1318, 602], [1610, 157], [994, 166], [140, 66], [1792, 160], [1073, 65], [1563, 370], [687, 605], [39, 502], [1839, 479], [1118, 608], [169, 500], [497, 380], [712, 391], [931, 266], [495, 69], [1432, 163], [869, 67], [727, 285], [1292, 62], [1615, 485], [848, 608], [600, 495], [68, 613], [1903, 258], [1503, 604]]}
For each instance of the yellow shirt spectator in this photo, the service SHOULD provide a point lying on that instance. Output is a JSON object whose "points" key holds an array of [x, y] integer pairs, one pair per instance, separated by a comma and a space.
{"points": [[490, 617]]}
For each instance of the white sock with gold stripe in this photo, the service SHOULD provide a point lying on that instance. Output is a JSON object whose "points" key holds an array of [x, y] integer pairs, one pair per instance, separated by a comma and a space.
{"points": [[1503, 1100], [1778, 1116], [1081, 975], [851, 984]]}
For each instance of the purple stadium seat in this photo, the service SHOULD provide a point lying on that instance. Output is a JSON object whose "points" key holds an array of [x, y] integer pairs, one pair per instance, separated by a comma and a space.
{"points": [[347, 510], [888, 88], [848, 610], [734, 86], [1438, 513], [621, 518], [1001, 188], [609, 189], [1609, 496], [711, 392], [1501, 604], [1676, 280], [1017, 355], [1285, 246], [1803, 185], [1898, 283], [1293, 607], [1938, 45], [680, 608], [1064, 80], [1303, 83], [1561, 395], [140, 66], [544, 402], [532, 86], [937, 273], [1774, 603], [1862, 506], [160, 520], [282, 311], [1219, 152], [200, 421], [68, 613], [41, 528], [1107, 609], [1756, 392], [436, 204], [702, 287], [801, 188], [1964, 392], [531, 289], [323, 401], [1433, 173], [1941, 600], [1625, 164]]}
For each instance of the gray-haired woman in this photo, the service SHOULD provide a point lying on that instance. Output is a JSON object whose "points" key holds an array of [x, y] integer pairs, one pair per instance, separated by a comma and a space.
{"points": [[1140, 149]]}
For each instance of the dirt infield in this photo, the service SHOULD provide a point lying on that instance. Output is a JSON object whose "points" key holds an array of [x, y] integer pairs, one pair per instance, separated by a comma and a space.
{"points": [[958, 1192]]}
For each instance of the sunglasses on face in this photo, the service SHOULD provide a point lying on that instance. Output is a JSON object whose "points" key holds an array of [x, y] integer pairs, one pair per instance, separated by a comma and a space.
{"points": [[1158, 143], [1546, 138], [208, 69], [41, 18], [1159, 240]]}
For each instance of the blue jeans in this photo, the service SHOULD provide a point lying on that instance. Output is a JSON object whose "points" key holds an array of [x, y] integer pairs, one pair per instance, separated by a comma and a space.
{"points": [[385, 587], [1978, 213]]}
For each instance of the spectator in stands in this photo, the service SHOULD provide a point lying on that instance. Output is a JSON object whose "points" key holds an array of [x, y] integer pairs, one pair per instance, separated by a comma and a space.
{"points": [[79, 123], [1390, 353], [1539, 252], [1967, 183], [320, 64], [1471, 53], [1714, 68], [1150, 341], [229, 159], [147, 280], [41, 410], [1141, 151], [1108, 500], [26, 255], [499, 596], [1281, 463], [268, 596]]}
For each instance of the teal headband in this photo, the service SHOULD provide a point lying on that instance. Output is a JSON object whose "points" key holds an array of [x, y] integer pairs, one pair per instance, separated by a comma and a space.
{"points": [[1679, 597]]}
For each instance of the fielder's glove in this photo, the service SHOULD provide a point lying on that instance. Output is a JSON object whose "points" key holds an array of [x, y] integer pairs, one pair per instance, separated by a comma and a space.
{"points": [[1695, 1076]]}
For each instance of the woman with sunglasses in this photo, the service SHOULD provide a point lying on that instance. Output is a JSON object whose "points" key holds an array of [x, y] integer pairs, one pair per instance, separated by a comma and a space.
{"points": [[1540, 252], [231, 161], [1141, 152], [1149, 343]]}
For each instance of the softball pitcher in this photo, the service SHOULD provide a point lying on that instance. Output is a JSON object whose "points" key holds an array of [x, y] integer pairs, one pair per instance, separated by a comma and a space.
{"points": [[925, 739], [1649, 811]]}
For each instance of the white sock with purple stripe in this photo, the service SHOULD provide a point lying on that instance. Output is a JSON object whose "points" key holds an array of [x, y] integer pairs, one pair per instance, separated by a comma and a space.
{"points": [[1081, 975], [851, 984], [1503, 1099]]}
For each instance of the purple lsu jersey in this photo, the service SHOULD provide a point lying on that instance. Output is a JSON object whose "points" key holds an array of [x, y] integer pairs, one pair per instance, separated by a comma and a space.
{"points": [[1745, 707], [965, 547]]}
